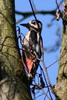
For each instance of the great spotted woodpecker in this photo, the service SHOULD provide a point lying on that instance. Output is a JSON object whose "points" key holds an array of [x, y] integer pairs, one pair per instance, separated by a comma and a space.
{"points": [[32, 47]]}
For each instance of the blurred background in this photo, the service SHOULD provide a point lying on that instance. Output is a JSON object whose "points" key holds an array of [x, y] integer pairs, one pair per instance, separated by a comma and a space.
{"points": [[51, 31]]}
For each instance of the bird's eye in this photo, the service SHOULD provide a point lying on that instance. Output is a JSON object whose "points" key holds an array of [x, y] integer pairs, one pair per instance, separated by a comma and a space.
{"points": [[34, 23]]}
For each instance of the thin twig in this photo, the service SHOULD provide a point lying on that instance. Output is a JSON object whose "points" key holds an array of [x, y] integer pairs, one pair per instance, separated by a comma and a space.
{"points": [[47, 76], [40, 95], [46, 82], [32, 9], [44, 92], [57, 60]]}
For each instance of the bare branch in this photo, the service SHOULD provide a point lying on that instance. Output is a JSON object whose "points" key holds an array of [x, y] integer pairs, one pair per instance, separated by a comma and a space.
{"points": [[28, 14]]}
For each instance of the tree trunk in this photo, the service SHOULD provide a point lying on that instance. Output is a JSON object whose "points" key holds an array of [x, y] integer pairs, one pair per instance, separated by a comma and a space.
{"points": [[11, 86], [61, 87]]}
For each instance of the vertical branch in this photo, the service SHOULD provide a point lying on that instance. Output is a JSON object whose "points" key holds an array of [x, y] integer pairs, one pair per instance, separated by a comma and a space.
{"points": [[9, 56], [61, 87]]}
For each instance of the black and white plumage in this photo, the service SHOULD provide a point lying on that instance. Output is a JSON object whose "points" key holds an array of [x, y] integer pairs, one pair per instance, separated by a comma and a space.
{"points": [[32, 46]]}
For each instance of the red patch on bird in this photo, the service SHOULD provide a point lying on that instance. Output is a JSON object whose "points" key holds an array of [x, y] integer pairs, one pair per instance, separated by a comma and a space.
{"points": [[29, 64]]}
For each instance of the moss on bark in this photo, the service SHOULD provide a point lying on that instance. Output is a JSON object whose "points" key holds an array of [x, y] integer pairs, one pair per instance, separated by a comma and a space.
{"points": [[11, 87]]}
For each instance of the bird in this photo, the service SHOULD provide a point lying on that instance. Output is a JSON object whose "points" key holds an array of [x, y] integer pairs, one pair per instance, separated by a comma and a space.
{"points": [[32, 47]]}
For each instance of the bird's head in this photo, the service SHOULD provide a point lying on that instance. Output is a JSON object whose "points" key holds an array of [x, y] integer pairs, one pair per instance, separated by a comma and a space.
{"points": [[35, 25]]}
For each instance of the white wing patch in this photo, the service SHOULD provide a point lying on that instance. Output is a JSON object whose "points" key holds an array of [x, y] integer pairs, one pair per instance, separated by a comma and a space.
{"points": [[37, 37], [37, 48]]}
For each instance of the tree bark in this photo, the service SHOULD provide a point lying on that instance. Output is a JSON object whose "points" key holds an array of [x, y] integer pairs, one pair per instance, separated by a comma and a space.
{"points": [[61, 87], [11, 86]]}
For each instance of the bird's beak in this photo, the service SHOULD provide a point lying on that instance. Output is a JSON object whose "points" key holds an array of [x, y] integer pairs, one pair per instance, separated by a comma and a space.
{"points": [[25, 25]]}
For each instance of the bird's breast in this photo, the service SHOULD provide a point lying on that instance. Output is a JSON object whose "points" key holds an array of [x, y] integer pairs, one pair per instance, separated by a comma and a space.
{"points": [[26, 39]]}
